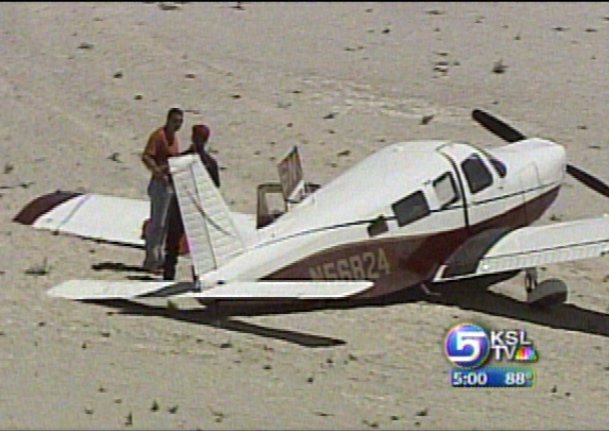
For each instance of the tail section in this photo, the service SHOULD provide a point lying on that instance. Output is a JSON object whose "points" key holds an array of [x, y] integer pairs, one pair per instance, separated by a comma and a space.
{"points": [[212, 236]]}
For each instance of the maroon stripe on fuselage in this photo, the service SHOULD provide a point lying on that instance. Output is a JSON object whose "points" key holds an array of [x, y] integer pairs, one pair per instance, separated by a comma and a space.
{"points": [[41, 205], [398, 263]]}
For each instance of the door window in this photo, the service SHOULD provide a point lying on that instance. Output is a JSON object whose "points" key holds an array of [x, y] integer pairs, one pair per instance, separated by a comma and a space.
{"points": [[446, 190], [476, 173]]}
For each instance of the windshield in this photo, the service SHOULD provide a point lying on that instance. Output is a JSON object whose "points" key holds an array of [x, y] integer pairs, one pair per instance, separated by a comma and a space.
{"points": [[498, 165]]}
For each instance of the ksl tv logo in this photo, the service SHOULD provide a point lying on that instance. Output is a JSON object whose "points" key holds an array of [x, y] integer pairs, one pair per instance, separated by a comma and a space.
{"points": [[468, 345]]}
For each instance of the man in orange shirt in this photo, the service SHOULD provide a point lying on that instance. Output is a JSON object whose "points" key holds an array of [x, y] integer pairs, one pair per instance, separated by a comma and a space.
{"points": [[162, 144]]}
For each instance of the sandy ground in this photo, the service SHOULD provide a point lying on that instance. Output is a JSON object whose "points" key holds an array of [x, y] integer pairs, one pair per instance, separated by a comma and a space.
{"points": [[80, 82]]}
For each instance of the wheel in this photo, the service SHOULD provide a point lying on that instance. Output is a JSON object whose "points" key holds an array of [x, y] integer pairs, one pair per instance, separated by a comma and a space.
{"points": [[548, 293]]}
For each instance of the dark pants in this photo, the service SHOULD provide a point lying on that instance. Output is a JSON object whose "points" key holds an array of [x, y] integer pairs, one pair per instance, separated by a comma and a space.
{"points": [[175, 230]]}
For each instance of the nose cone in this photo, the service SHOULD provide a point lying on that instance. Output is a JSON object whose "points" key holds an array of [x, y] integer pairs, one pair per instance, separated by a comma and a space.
{"points": [[551, 160]]}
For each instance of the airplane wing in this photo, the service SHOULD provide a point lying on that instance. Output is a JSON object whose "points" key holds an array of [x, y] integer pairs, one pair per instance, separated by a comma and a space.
{"points": [[234, 290], [527, 247], [101, 217]]}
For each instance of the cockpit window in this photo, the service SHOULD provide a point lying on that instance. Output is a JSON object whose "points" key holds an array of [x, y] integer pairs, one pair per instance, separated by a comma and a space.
{"points": [[477, 175], [446, 190], [498, 165], [410, 208]]}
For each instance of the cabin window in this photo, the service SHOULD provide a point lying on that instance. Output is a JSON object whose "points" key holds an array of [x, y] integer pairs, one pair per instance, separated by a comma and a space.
{"points": [[446, 190], [411, 208], [477, 175]]}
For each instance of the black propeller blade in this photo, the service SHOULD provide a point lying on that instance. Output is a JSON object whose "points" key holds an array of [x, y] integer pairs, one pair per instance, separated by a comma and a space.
{"points": [[587, 179], [509, 134], [496, 126]]}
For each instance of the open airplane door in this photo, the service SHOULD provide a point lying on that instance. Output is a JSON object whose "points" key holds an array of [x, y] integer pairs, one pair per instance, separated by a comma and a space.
{"points": [[293, 185], [270, 204], [292, 189], [291, 176]]}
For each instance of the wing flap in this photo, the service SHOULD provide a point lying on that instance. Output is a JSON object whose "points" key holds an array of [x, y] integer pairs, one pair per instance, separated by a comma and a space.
{"points": [[532, 246]]}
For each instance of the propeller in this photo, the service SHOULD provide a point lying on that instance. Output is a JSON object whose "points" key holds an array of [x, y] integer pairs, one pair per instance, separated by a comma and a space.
{"points": [[497, 127], [510, 134], [588, 180]]}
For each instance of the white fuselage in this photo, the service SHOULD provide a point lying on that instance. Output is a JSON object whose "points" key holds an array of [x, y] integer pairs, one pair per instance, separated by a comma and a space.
{"points": [[420, 189]]}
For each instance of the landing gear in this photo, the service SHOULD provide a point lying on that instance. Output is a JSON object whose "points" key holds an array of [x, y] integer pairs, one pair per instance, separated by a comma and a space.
{"points": [[545, 294], [214, 311], [428, 292], [530, 280]]}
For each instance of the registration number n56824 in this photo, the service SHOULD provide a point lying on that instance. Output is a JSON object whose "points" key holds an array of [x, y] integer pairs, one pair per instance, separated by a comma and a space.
{"points": [[368, 265]]}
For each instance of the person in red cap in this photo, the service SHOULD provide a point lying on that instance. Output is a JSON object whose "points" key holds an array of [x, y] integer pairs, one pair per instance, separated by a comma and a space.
{"points": [[200, 138], [175, 231]]}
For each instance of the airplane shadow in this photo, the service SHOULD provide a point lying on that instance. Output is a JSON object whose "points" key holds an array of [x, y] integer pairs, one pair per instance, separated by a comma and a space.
{"points": [[218, 319], [565, 316], [121, 267], [471, 296], [117, 266]]}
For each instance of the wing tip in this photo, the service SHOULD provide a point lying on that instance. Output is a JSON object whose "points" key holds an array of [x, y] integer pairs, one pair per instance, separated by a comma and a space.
{"points": [[41, 205]]}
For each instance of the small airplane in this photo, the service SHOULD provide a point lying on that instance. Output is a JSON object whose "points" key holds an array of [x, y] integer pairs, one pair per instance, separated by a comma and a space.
{"points": [[412, 214]]}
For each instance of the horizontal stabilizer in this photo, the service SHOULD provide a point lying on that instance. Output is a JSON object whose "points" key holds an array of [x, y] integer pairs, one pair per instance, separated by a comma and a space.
{"points": [[236, 290], [106, 289], [263, 290]]}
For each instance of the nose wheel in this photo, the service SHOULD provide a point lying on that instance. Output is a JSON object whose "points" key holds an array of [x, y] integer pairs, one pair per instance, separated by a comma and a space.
{"points": [[546, 294]]}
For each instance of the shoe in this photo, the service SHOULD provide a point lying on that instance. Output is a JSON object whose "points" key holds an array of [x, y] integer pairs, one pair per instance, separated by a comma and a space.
{"points": [[156, 270]]}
